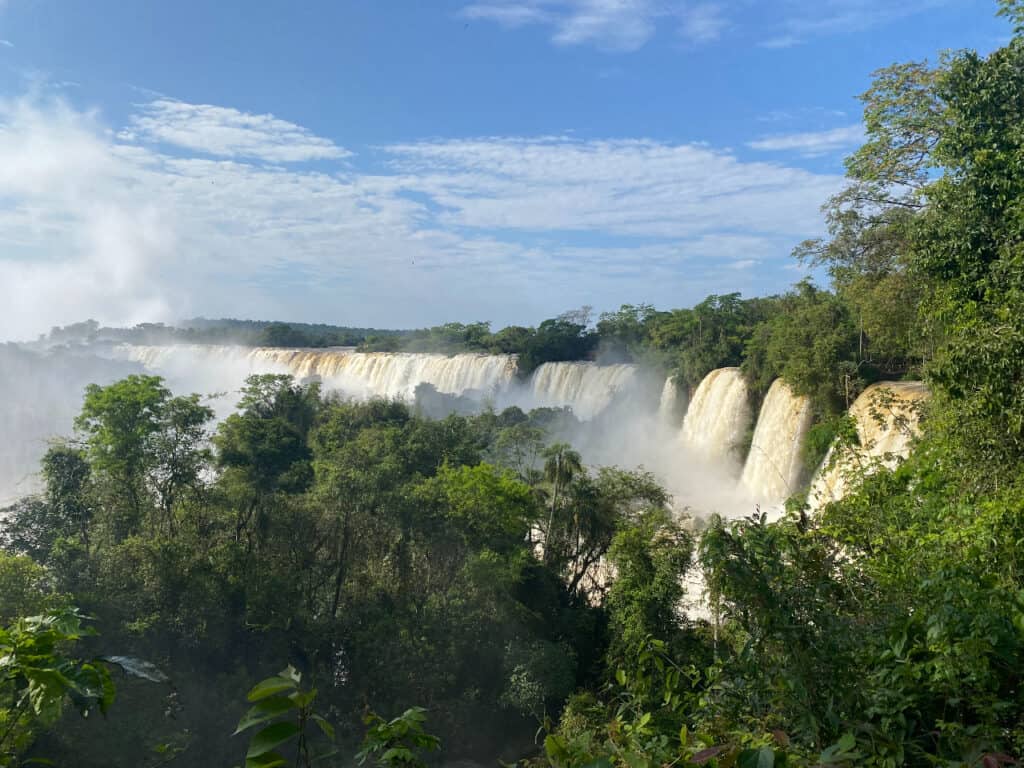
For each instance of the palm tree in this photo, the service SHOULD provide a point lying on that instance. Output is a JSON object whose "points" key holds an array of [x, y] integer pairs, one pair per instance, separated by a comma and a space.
{"points": [[561, 465]]}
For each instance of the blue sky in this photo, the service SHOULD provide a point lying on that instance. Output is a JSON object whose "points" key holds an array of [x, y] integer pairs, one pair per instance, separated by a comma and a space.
{"points": [[401, 163]]}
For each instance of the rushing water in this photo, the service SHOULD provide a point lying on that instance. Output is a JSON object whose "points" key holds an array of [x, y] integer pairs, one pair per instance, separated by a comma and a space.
{"points": [[718, 416], [774, 466]]}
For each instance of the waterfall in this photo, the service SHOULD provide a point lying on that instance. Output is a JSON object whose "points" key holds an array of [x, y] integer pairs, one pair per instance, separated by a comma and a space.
{"points": [[587, 387], [774, 465], [719, 414], [354, 374], [671, 404], [887, 418]]}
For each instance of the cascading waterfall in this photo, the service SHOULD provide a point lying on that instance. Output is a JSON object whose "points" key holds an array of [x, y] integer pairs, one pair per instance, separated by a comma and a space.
{"points": [[355, 374], [696, 460], [718, 416], [671, 404], [774, 465], [587, 388], [887, 417]]}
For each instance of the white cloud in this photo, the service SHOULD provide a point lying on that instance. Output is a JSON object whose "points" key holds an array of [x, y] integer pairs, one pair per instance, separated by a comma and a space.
{"points": [[227, 132], [812, 143], [625, 187], [6, 43], [703, 23], [97, 222], [802, 20], [614, 25]]}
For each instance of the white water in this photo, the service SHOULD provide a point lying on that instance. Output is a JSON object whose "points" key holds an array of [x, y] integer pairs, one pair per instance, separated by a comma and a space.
{"points": [[359, 375], [774, 466], [671, 404], [718, 416], [587, 388], [887, 416]]}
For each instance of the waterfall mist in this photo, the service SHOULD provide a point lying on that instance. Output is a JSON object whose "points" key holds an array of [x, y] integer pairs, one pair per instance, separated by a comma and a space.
{"points": [[40, 395]]}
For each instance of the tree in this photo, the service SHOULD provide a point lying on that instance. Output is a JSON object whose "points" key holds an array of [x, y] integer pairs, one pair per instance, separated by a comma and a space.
{"points": [[119, 422], [561, 465]]}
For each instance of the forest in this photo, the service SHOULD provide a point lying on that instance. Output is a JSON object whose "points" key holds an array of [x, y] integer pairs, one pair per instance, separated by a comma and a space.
{"points": [[314, 581]]}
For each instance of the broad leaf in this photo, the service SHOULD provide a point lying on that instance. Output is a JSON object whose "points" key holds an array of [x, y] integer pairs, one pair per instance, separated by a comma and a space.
{"points": [[326, 727], [271, 737], [270, 687], [265, 710], [268, 760]]}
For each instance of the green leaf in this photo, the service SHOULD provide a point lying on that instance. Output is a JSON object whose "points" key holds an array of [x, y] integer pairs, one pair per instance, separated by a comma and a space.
{"points": [[324, 756], [555, 748], [268, 760], [620, 677], [757, 758], [325, 726], [265, 710], [270, 687], [270, 737], [303, 698], [401, 754]]}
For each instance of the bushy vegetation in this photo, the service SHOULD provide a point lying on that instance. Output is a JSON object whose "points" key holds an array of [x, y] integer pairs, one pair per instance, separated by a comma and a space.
{"points": [[530, 604]]}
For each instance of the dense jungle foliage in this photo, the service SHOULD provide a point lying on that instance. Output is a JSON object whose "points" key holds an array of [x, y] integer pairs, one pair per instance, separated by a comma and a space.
{"points": [[389, 562]]}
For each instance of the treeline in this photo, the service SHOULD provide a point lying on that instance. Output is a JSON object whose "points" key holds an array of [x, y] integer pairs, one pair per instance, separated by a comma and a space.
{"points": [[254, 333]]}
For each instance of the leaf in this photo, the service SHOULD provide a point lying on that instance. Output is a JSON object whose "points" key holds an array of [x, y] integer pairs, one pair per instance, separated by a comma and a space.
{"points": [[303, 698], [706, 754], [555, 748], [326, 727], [270, 737], [268, 760], [324, 756], [265, 710], [620, 677], [781, 737], [757, 758], [146, 670], [270, 687]]}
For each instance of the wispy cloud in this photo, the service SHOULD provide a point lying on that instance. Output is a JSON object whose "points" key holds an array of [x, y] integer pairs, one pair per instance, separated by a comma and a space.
{"points": [[812, 143], [111, 224], [613, 25], [802, 20], [226, 132], [703, 23], [6, 43]]}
